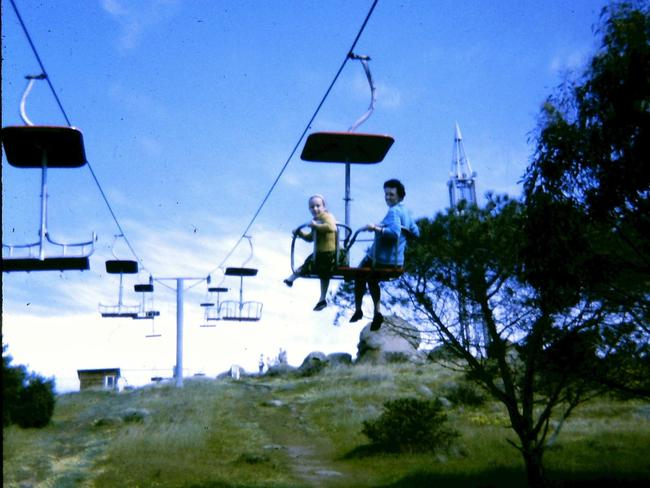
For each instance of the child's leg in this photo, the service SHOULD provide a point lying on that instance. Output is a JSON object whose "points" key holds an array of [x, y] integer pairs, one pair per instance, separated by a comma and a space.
{"points": [[375, 293], [359, 291], [289, 281], [324, 285]]}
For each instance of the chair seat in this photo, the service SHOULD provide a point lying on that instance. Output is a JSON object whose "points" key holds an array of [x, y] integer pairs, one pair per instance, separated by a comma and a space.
{"points": [[380, 274]]}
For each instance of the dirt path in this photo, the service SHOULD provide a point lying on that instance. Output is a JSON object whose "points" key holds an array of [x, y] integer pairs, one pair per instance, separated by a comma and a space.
{"points": [[310, 456]]}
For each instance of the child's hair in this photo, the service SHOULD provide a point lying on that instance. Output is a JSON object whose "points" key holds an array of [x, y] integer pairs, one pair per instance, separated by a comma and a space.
{"points": [[322, 198]]}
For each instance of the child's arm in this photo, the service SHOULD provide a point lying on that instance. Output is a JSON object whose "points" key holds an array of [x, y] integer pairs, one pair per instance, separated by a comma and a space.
{"points": [[324, 223], [306, 236]]}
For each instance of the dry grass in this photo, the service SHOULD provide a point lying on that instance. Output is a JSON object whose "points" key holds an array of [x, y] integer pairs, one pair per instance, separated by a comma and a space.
{"points": [[293, 432]]}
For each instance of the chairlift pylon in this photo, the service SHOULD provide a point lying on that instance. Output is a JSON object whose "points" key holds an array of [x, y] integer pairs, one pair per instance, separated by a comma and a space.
{"points": [[32, 146]]}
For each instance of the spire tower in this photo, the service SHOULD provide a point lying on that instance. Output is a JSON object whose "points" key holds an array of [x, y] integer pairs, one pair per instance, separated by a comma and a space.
{"points": [[462, 180]]}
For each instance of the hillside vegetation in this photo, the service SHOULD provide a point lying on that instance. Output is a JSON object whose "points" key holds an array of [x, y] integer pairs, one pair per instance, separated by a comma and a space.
{"points": [[307, 431]]}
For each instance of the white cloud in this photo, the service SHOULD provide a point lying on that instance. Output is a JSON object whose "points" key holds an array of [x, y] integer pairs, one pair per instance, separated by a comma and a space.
{"points": [[139, 103], [388, 96], [568, 62], [57, 344], [136, 18]]}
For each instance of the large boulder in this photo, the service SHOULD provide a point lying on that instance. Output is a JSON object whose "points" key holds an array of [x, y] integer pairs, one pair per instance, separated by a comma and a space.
{"points": [[396, 340], [340, 359], [313, 363]]}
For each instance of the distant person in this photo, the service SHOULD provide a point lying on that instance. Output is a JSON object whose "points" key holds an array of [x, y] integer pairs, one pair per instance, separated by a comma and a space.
{"points": [[387, 251], [323, 260]]}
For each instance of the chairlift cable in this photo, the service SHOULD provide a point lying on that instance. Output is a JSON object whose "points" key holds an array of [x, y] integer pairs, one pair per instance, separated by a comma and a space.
{"points": [[40, 63], [349, 55], [46, 76]]}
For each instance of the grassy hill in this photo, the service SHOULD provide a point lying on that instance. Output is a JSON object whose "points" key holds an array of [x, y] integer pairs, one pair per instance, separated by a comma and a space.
{"points": [[303, 432]]}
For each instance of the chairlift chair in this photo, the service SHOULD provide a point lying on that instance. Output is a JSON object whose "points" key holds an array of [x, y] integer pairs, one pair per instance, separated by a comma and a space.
{"points": [[241, 311], [249, 311], [343, 234], [121, 267], [375, 272], [146, 310], [213, 309], [44, 147], [343, 270]]}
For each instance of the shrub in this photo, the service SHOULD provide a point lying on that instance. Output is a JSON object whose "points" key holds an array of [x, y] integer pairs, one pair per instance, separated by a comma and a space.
{"points": [[35, 403], [13, 378], [465, 393], [27, 399], [410, 425]]}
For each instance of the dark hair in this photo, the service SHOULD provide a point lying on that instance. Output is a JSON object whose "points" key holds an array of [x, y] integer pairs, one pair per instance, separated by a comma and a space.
{"points": [[397, 184]]}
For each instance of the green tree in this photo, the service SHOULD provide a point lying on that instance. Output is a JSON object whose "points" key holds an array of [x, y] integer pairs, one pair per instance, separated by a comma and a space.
{"points": [[28, 399], [592, 152], [36, 402], [526, 341], [13, 378], [544, 302]]}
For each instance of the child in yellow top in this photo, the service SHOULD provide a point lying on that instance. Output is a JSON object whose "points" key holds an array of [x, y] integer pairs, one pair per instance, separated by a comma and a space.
{"points": [[323, 259]]}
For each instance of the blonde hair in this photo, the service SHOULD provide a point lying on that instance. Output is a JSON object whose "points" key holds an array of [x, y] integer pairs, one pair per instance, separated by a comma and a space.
{"points": [[322, 199]]}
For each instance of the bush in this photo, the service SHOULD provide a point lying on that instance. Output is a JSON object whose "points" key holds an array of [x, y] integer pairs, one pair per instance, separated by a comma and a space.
{"points": [[35, 403], [410, 425], [466, 393], [13, 379], [27, 399]]}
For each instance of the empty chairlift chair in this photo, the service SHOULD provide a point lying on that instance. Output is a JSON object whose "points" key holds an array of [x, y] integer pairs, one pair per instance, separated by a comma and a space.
{"points": [[146, 310], [212, 307], [247, 311], [44, 147], [121, 267]]}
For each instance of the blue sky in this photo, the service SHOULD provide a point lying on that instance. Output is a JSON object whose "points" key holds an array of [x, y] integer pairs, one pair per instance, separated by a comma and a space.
{"points": [[190, 109]]}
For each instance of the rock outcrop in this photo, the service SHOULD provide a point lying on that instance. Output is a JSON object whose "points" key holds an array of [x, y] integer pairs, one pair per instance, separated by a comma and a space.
{"points": [[396, 341], [313, 363]]}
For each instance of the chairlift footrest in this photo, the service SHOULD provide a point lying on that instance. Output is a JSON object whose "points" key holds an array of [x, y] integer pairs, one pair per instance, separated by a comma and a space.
{"points": [[47, 264]]}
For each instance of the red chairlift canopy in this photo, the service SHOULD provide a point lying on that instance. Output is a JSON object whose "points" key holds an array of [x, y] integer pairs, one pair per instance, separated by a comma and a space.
{"points": [[346, 147], [25, 146]]}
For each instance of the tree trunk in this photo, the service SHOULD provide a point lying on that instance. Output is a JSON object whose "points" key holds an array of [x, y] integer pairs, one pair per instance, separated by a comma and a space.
{"points": [[534, 466]]}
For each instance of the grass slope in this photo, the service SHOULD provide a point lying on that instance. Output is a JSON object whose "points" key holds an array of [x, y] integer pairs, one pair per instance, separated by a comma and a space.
{"points": [[302, 432]]}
